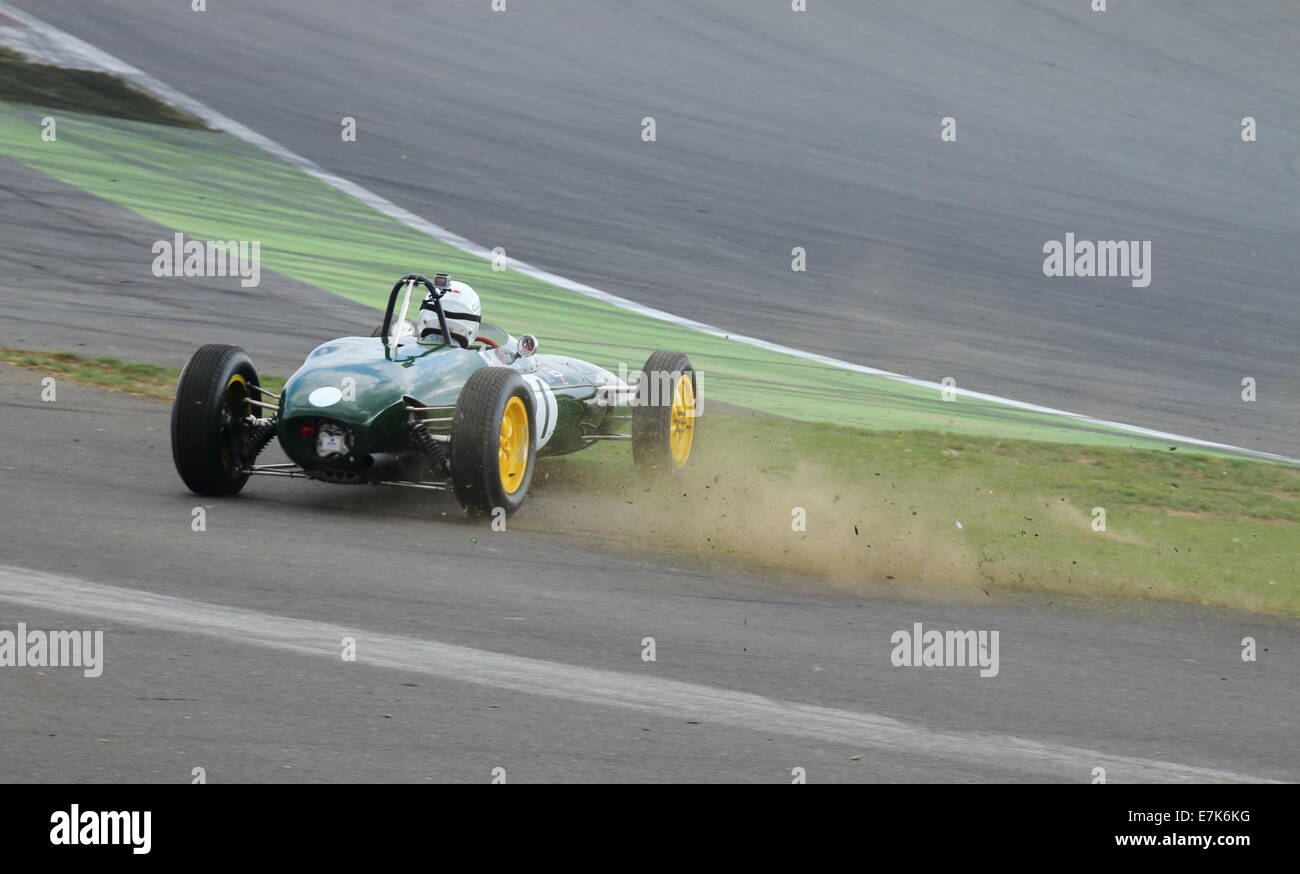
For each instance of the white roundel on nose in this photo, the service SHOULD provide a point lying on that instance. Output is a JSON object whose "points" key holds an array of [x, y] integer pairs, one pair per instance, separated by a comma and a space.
{"points": [[325, 396]]}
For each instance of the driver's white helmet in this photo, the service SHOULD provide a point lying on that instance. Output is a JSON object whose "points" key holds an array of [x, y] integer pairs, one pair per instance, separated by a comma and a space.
{"points": [[461, 308]]}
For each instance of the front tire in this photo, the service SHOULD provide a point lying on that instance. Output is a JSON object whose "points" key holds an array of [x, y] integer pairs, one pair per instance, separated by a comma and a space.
{"points": [[493, 449], [663, 419], [209, 428]]}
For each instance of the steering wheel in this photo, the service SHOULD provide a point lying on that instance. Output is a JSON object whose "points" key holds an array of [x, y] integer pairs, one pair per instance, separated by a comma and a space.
{"points": [[493, 344]]}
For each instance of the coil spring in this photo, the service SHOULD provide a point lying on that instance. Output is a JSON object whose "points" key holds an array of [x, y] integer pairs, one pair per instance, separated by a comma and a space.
{"points": [[261, 435], [433, 450]]}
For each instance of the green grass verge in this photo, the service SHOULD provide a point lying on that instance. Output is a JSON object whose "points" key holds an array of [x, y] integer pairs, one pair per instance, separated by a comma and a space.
{"points": [[215, 187], [88, 91], [886, 505], [129, 377], [881, 505]]}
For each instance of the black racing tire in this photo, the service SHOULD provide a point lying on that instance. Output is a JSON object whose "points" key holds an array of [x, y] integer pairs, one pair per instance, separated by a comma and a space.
{"points": [[662, 443], [208, 428], [480, 442]]}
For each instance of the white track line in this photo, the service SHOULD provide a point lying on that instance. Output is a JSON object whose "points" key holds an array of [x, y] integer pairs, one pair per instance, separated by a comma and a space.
{"points": [[641, 692], [56, 46]]}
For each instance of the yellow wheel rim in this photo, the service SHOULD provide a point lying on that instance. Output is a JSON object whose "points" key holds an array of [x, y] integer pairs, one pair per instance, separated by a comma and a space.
{"points": [[235, 393], [237, 390], [512, 448], [681, 431]]}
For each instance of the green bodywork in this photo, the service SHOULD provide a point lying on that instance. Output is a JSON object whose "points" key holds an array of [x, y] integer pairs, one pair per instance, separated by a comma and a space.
{"points": [[373, 382]]}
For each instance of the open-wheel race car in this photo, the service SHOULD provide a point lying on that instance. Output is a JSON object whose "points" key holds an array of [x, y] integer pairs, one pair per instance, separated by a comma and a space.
{"points": [[451, 403]]}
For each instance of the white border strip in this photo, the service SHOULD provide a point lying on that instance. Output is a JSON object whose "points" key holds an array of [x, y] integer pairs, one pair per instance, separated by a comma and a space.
{"points": [[48, 43], [642, 692]]}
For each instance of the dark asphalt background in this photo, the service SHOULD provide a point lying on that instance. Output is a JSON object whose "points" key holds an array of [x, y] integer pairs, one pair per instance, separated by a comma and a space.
{"points": [[820, 129]]}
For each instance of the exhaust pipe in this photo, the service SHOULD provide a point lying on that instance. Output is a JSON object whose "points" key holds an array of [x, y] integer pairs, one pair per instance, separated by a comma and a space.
{"points": [[378, 465]]}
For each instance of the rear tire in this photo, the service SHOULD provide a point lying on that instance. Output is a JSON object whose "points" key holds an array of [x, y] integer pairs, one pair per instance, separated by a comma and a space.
{"points": [[493, 446], [662, 431], [208, 428]]}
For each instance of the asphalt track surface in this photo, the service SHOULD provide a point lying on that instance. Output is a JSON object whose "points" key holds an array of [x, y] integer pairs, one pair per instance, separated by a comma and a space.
{"points": [[1148, 691], [451, 620], [820, 129]]}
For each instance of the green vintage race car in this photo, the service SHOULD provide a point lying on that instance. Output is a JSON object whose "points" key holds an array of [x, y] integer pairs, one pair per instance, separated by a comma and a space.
{"points": [[397, 409]]}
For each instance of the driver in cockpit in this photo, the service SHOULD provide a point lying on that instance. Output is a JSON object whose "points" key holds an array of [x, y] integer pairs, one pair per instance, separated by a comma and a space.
{"points": [[461, 309]]}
